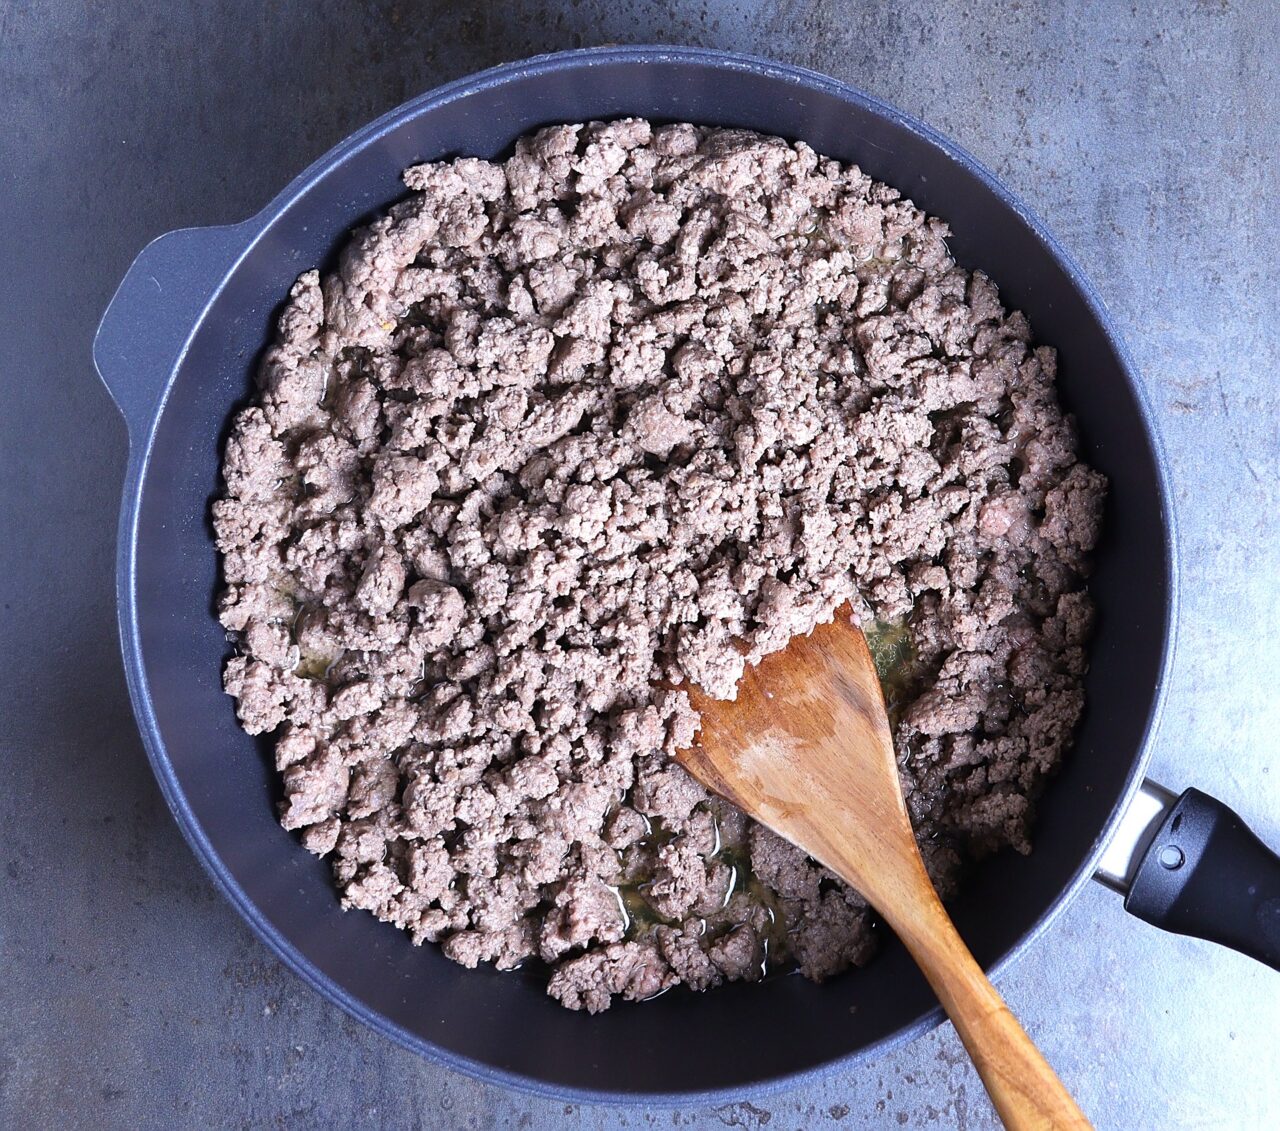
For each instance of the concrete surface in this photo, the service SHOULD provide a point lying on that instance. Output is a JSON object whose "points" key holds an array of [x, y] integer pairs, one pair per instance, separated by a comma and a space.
{"points": [[132, 996]]}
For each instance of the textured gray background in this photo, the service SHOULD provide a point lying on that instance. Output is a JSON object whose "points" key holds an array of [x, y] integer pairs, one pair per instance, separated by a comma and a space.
{"points": [[131, 995]]}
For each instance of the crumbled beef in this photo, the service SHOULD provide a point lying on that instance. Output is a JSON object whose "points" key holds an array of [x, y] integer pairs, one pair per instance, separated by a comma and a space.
{"points": [[635, 970], [564, 434]]}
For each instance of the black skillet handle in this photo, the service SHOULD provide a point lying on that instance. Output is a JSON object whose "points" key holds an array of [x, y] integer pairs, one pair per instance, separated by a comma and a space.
{"points": [[1205, 874], [148, 322]]}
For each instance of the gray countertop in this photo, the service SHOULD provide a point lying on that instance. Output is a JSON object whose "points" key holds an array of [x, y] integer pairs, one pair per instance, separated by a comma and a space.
{"points": [[1146, 137]]}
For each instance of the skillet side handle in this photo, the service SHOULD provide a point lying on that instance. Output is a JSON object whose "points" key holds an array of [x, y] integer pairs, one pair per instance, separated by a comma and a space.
{"points": [[1205, 874], [145, 328]]}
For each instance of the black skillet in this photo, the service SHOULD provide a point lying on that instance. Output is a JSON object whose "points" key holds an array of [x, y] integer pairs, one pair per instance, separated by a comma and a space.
{"points": [[177, 348]]}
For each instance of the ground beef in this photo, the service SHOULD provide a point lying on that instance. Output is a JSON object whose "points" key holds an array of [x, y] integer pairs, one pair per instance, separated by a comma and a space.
{"points": [[562, 434]]}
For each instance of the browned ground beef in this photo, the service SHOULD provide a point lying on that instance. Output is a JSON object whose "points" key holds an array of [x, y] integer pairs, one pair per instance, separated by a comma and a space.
{"points": [[561, 430]]}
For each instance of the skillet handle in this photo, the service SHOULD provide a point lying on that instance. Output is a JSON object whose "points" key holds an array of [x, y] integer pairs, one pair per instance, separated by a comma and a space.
{"points": [[1205, 874], [148, 322]]}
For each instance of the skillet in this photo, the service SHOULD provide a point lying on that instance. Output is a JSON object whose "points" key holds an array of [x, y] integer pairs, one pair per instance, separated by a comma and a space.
{"points": [[177, 349]]}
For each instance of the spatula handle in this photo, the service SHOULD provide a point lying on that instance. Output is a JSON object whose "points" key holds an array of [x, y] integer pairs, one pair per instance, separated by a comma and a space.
{"points": [[1024, 1088]]}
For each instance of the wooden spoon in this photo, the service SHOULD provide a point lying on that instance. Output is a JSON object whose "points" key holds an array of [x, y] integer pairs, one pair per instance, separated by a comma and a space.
{"points": [[806, 749]]}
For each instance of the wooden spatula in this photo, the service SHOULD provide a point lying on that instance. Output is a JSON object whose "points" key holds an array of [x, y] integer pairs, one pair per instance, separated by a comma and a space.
{"points": [[806, 749]]}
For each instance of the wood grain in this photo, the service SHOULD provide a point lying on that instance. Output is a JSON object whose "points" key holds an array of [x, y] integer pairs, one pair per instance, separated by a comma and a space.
{"points": [[806, 749]]}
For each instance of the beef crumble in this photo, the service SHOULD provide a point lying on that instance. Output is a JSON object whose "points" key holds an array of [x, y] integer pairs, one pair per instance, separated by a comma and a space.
{"points": [[624, 412]]}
